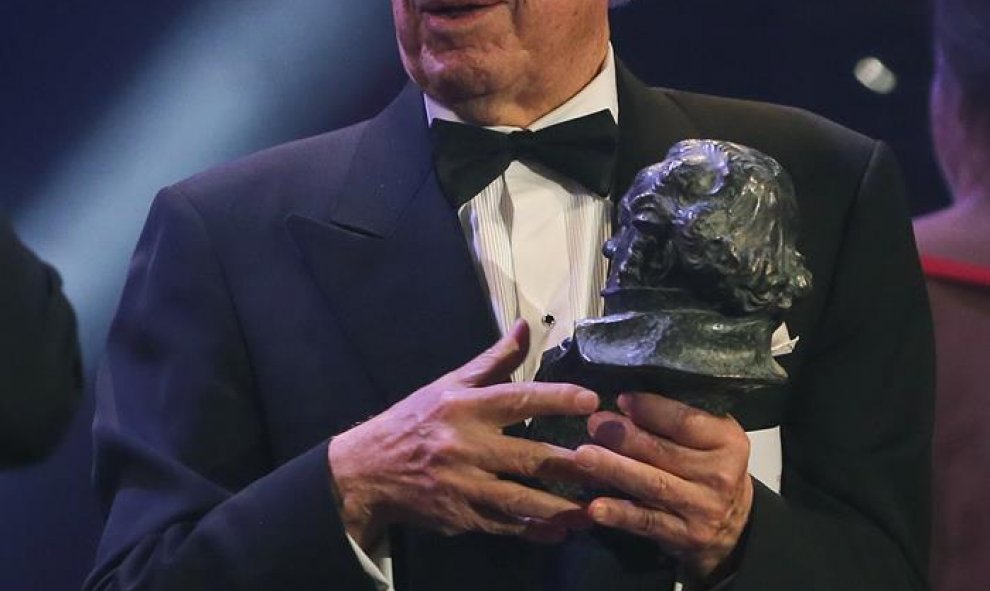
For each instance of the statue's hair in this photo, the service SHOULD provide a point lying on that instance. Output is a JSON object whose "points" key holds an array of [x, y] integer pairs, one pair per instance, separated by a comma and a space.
{"points": [[719, 220], [747, 238], [962, 48]]}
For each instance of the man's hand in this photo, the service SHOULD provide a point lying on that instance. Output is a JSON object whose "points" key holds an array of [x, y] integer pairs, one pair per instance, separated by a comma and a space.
{"points": [[687, 470], [433, 459]]}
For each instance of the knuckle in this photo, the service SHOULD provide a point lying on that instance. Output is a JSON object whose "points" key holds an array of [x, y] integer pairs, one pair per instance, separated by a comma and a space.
{"points": [[474, 521], [745, 446], [438, 507], [525, 465], [723, 480], [512, 504], [647, 521], [485, 361], [490, 355], [567, 394], [481, 364], [657, 447], [519, 401], [449, 403], [688, 419], [701, 534], [739, 442], [449, 398], [711, 513], [443, 448], [659, 488], [435, 485]]}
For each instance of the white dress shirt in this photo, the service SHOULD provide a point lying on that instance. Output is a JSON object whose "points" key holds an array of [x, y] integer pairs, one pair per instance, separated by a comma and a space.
{"points": [[536, 236], [536, 240]]}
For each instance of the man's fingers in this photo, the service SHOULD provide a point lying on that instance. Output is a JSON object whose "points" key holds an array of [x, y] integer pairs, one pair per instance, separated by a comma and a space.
{"points": [[494, 522], [621, 435], [679, 422], [649, 485], [506, 404], [668, 529], [531, 505], [530, 459], [496, 364]]}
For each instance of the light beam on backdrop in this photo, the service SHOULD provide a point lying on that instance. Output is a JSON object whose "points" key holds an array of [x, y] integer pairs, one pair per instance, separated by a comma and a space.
{"points": [[233, 76]]}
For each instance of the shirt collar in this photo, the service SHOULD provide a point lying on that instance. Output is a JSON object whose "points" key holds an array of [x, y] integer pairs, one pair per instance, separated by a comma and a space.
{"points": [[598, 95]]}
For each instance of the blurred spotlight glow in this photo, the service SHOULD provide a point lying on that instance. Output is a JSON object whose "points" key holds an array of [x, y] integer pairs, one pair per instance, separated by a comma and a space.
{"points": [[232, 77], [875, 75]]}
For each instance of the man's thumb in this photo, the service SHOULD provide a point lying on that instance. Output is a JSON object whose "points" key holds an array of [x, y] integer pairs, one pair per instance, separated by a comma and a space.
{"points": [[496, 364]]}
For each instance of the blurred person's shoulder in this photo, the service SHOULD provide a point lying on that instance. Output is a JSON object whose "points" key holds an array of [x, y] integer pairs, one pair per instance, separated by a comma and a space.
{"points": [[957, 234]]}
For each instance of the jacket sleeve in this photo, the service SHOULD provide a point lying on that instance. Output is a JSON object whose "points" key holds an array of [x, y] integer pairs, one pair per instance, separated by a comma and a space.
{"points": [[854, 510], [40, 372], [193, 498]]}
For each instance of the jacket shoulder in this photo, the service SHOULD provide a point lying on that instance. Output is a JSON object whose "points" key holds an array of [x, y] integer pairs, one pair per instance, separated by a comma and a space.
{"points": [[794, 136], [308, 166]]}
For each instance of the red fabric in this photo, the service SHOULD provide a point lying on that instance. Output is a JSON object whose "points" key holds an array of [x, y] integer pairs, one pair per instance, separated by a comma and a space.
{"points": [[956, 271]]}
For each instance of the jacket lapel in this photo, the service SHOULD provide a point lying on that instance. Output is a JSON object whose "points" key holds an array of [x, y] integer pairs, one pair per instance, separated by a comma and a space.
{"points": [[650, 122], [391, 259]]}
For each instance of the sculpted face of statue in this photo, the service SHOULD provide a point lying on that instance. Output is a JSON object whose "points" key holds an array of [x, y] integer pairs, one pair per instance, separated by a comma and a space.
{"points": [[502, 61]]}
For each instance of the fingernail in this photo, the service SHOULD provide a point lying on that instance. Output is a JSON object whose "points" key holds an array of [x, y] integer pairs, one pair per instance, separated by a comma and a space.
{"points": [[586, 457], [587, 401], [599, 512], [610, 434], [624, 401]]}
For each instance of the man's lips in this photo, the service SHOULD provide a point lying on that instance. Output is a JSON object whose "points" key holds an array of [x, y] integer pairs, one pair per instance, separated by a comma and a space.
{"points": [[456, 9]]}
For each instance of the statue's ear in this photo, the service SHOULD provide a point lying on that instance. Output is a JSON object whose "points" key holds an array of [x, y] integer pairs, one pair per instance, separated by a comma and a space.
{"points": [[610, 247], [648, 222]]}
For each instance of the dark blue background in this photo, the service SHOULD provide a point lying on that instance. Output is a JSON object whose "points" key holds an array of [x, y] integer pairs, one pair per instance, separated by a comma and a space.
{"points": [[68, 67]]}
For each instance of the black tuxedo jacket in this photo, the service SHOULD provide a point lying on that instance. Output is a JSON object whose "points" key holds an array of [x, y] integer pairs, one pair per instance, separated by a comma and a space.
{"points": [[278, 300], [40, 375]]}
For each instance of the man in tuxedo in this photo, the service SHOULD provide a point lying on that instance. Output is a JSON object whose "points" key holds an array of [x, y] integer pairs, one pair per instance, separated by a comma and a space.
{"points": [[40, 375], [302, 390]]}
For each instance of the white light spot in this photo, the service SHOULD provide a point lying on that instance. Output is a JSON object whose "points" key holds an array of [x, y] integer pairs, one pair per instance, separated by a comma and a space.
{"points": [[875, 75]]}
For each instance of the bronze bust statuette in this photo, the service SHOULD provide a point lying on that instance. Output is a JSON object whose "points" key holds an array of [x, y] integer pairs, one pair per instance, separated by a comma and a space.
{"points": [[703, 267]]}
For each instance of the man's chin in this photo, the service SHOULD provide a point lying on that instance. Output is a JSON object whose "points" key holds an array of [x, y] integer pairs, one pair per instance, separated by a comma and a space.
{"points": [[457, 79]]}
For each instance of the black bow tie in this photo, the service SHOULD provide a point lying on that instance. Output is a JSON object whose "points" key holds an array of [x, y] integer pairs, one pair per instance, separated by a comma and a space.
{"points": [[469, 158]]}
